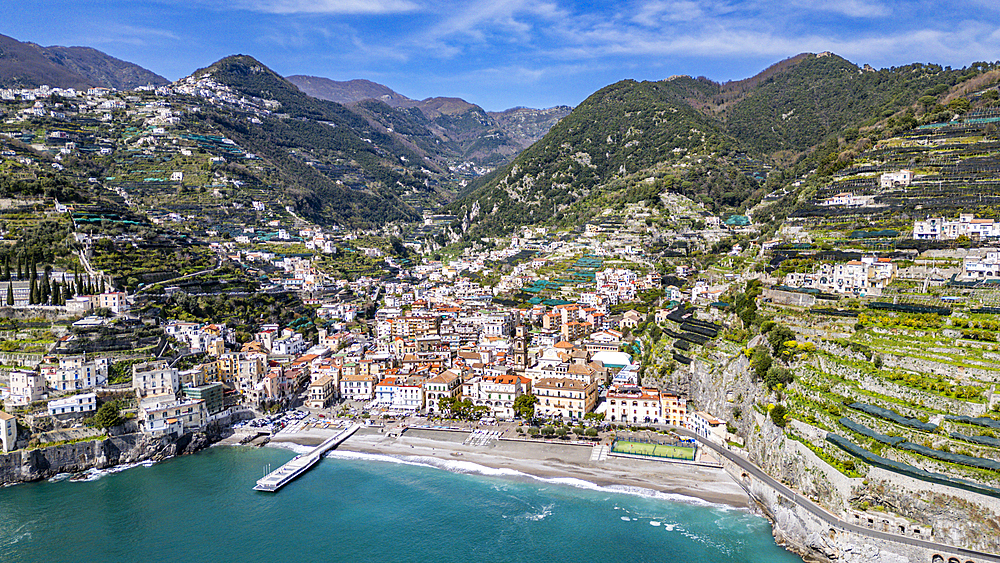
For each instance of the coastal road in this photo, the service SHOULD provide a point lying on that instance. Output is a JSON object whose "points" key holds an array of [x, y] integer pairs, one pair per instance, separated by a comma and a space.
{"points": [[825, 516]]}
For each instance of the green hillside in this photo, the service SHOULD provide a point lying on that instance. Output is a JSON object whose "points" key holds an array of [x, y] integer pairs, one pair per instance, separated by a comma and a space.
{"points": [[822, 95], [723, 145], [625, 129]]}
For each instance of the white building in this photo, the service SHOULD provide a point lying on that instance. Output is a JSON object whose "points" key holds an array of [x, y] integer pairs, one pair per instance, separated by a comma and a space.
{"points": [[290, 343], [981, 266], [8, 431], [155, 378], [895, 179], [939, 228], [616, 285], [74, 373], [846, 199], [867, 276], [357, 387], [76, 405], [497, 392], [25, 387], [396, 395], [165, 414], [706, 425]]}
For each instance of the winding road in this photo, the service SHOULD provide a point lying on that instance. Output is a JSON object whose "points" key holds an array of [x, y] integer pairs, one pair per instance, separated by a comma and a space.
{"points": [[825, 516]]}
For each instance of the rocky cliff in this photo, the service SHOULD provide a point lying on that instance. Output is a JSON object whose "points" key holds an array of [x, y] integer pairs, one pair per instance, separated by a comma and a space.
{"points": [[32, 465], [728, 390]]}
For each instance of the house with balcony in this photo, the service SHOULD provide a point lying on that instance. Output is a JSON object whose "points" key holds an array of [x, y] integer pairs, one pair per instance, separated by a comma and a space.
{"points": [[569, 399]]}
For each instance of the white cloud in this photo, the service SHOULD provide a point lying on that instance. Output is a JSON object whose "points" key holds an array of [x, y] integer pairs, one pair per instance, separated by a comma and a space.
{"points": [[849, 8], [139, 36], [652, 14], [328, 6]]}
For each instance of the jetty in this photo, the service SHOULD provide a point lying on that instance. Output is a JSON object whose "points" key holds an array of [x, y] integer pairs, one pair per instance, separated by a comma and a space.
{"points": [[298, 465]]}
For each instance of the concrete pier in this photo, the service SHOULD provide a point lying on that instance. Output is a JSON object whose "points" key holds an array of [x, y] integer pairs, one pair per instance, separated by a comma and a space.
{"points": [[301, 463]]}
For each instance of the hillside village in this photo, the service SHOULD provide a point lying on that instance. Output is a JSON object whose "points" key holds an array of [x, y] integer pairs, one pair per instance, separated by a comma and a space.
{"points": [[184, 290]]}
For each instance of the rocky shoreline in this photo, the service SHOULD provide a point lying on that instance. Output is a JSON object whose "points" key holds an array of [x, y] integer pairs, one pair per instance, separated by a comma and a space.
{"points": [[25, 466]]}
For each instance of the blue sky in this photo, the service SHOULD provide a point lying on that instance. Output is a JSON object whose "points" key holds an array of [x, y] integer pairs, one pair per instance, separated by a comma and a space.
{"points": [[505, 53]]}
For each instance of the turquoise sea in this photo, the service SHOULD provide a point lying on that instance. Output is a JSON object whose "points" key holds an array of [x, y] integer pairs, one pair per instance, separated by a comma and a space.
{"points": [[359, 508]]}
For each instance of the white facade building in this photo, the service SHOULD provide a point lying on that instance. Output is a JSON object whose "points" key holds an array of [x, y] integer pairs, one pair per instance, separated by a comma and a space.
{"points": [[706, 425], [25, 387], [8, 431], [76, 405], [981, 266], [165, 414], [75, 373], [939, 228], [858, 277], [155, 378], [895, 179]]}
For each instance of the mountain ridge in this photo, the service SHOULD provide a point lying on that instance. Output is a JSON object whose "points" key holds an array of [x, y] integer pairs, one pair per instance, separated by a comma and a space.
{"points": [[487, 138], [28, 65], [710, 141]]}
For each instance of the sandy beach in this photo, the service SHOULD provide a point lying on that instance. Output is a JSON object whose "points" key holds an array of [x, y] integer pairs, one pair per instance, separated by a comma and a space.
{"points": [[539, 459]]}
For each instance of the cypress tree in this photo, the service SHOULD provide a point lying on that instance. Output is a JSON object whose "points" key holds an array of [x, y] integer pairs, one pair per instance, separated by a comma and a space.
{"points": [[19, 276], [33, 293], [34, 271], [10, 294], [102, 285]]}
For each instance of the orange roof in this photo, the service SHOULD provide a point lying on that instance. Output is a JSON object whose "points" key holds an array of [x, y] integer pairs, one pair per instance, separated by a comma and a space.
{"points": [[305, 359]]}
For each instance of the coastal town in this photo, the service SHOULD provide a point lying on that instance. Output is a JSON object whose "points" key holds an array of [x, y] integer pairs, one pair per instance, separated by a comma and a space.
{"points": [[825, 352]]}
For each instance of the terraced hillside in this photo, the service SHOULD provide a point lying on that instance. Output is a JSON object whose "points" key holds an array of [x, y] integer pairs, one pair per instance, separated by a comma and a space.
{"points": [[887, 392], [955, 166]]}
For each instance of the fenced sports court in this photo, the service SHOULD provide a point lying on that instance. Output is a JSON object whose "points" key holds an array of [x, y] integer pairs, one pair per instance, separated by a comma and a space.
{"points": [[662, 451]]}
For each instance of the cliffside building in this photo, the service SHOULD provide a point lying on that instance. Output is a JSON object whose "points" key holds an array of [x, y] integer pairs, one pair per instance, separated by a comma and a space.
{"points": [[8, 431]]}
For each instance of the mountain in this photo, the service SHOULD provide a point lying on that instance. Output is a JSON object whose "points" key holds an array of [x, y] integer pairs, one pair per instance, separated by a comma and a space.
{"points": [[794, 107], [527, 125], [346, 92], [633, 141], [29, 65], [470, 132], [236, 144], [616, 133], [336, 165], [104, 70]]}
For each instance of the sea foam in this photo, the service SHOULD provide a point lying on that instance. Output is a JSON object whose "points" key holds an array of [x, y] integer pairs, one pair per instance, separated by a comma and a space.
{"points": [[471, 468]]}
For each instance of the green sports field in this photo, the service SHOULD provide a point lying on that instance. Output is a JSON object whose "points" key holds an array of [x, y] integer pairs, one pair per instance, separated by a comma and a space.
{"points": [[653, 450]]}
